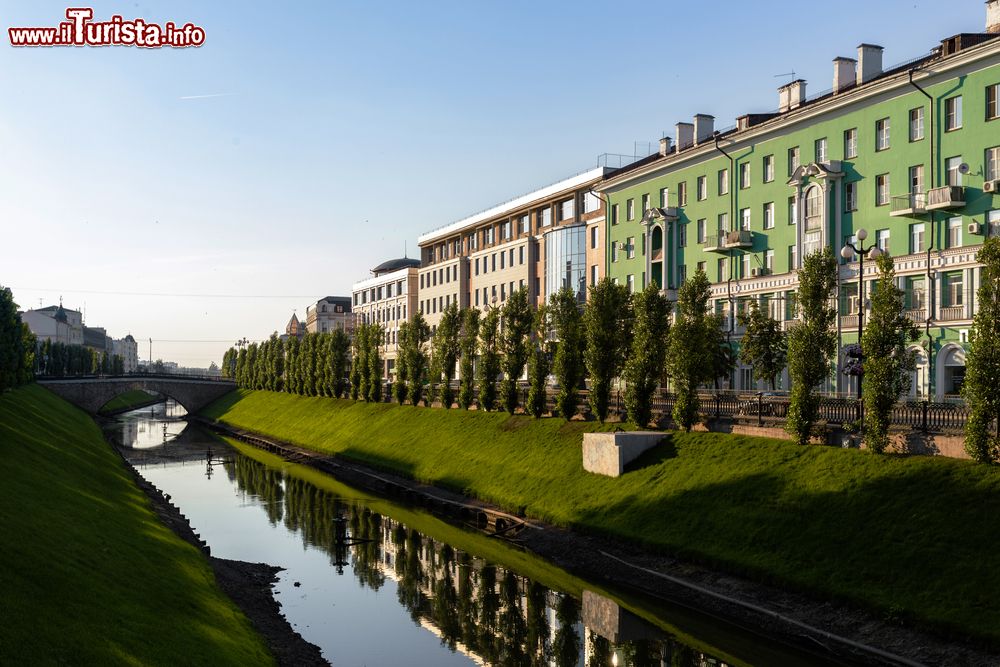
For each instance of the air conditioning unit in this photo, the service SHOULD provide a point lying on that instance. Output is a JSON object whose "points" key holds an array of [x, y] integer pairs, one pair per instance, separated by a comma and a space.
{"points": [[992, 186], [756, 272], [975, 228]]}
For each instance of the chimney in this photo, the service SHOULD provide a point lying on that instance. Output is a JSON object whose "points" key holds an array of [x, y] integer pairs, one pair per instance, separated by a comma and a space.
{"points": [[665, 146], [844, 73], [704, 127], [993, 16], [685, 135], [791, 95], [869, 62]]}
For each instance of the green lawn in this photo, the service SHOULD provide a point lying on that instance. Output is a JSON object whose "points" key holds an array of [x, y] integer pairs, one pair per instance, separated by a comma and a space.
{"points": [[87, 573], [909, 536], [128, 400]]}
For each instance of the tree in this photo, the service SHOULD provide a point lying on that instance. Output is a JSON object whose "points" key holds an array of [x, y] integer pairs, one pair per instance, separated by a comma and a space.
{"points": [[887, 362], [415, 355], [469, 347], [812, 343], [375, 337], [446, 350], [983, 359], [489, 359], [340, 348], [516, 318], [361, 348], [399, 388], [646, 359], [17, 344], [566, 322], [764, 346], [691, 348], [538, 365], [605, 322]]}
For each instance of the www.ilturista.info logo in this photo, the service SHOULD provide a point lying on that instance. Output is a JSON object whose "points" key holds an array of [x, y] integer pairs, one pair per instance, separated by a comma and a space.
{"points": [[80, 30]]}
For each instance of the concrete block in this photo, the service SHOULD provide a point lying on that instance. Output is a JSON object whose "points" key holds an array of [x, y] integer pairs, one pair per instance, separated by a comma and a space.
{"points": [[615, 624], [609, 453]]}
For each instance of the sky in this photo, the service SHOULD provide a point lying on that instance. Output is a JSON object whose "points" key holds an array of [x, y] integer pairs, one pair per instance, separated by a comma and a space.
{"points": [[198, 196]]}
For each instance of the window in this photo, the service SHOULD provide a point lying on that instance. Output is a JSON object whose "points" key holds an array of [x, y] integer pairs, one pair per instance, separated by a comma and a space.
{"points": [[682, 235], [614, 214], [851, 196], [593, 237], [882, 240], [664, 197], [882, 189], [700, 230], [544, 217], [630, 209], [916, 124], [682, 194], [821, 150], [591, 202], [630, 283], [952, 168], [955, 232], [488, 235], [917, 179], [723, 181], [520, 252], [793, 160], [769, 215], [593, 274], [493, 262], [505, 230], [744, 176], [567, 209], [993, 222], [745, 219], [768, 168], [702, 266], [645, 204], [630, 247], [502, 256], [614, 252], [793, 211], [722, 269], [850, 143], [702, 188], [953, 113], [747, 259], [953, 293], [882, 133], [682, 273], [814, 208], [723, 224], [993, 101], [992, 163], [917, 238], [769, 261], [792, 258]]}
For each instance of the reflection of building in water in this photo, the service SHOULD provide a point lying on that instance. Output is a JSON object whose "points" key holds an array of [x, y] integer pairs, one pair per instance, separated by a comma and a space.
{"points": [[489, 613]]}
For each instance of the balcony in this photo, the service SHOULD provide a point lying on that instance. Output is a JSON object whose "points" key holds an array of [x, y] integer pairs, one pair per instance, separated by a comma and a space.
{"points": [[849, 321], [909, 205], [947, 197], [916, 315], [953, 313], [723, 243]]}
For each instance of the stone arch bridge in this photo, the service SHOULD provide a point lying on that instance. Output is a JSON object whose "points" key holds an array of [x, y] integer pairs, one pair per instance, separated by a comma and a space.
{"points": [[91, 393]]}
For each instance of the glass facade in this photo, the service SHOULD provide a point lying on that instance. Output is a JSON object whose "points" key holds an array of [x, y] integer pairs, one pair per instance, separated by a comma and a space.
{"points": [[566, 261]]}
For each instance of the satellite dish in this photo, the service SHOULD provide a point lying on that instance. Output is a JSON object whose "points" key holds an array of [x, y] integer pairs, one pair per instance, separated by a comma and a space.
{"points": [[963, 168]]}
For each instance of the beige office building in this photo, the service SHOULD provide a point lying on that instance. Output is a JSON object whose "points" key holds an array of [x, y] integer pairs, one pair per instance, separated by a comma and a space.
{"points": [[389, 297]]}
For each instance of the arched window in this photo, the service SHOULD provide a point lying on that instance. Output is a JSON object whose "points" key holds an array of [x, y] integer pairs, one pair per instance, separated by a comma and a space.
{"points": [[814, 208]]}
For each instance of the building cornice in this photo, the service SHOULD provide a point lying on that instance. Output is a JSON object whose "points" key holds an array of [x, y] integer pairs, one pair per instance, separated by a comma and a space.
{"points": [[808, 113]]}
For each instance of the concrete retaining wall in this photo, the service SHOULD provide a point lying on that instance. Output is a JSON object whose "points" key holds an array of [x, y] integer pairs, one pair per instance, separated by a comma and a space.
{"points": [[609, 453]]}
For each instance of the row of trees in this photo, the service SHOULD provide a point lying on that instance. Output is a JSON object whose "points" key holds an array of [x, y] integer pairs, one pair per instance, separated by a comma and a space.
{"points": [[316, 365], [17, 345], [56, 359]]}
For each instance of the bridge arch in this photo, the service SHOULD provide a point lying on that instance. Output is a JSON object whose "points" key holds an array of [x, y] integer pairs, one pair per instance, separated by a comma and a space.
{"points": [[90, 394]]}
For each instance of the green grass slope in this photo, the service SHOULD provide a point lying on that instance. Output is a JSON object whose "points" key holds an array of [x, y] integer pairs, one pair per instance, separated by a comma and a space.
{"points": [[913, 537], [88, 575], [127, 401]]}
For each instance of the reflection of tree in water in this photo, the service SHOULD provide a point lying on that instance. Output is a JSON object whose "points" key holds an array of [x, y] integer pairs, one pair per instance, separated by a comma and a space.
{"points": [[477, 607], [566, 644]]}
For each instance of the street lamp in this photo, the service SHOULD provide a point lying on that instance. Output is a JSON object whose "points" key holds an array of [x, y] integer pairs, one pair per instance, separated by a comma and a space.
{"points": [[848, 252]]}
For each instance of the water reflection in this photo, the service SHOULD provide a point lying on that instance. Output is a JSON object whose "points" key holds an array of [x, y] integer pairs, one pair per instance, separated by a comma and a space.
{"points": [[370, 589]]}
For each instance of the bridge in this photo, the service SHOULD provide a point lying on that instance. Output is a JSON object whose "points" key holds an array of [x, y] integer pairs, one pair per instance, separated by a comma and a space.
{"points": [[90, 393]]}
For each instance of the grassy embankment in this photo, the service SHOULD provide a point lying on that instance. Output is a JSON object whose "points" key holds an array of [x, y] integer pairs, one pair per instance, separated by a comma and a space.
{"points": [[912, 537], [128, 401], [88, 575]]}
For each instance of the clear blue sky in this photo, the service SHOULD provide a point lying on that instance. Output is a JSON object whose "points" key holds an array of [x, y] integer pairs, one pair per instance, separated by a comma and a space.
{"points": [[343, 129]]}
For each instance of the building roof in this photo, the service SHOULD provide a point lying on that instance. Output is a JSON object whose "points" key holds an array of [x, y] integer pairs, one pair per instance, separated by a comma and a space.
{"points": [[343, 301], [395, 265]]}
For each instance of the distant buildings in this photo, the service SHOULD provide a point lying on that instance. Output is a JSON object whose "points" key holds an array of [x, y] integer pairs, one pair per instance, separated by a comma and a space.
{"points": [[294, 329], [388, 298], [57, 324], [329, 314], [128, 350]]}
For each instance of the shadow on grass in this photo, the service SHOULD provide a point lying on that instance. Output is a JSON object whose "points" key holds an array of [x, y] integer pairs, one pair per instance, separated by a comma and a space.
{"points": [[661, 453]]}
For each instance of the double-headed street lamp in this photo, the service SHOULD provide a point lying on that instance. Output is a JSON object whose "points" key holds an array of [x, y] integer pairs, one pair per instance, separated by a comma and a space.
{"points": [[848, 252]]}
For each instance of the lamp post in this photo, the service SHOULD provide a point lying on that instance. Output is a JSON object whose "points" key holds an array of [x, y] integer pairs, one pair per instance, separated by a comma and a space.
{"points": [[848, 252]]}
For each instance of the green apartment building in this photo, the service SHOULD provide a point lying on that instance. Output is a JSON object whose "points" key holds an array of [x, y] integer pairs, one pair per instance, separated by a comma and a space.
{"points": [[910, 154]]}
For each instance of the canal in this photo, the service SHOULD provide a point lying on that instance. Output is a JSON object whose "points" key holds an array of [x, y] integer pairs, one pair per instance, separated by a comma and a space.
{"points": [[373, 582]]}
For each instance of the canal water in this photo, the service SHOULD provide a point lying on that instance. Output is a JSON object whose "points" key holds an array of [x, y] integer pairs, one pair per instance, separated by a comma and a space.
{"points": [[373, 582]]}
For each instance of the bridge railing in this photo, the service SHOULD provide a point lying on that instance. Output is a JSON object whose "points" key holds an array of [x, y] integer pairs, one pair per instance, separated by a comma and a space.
{"points": [[136, 376]]}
